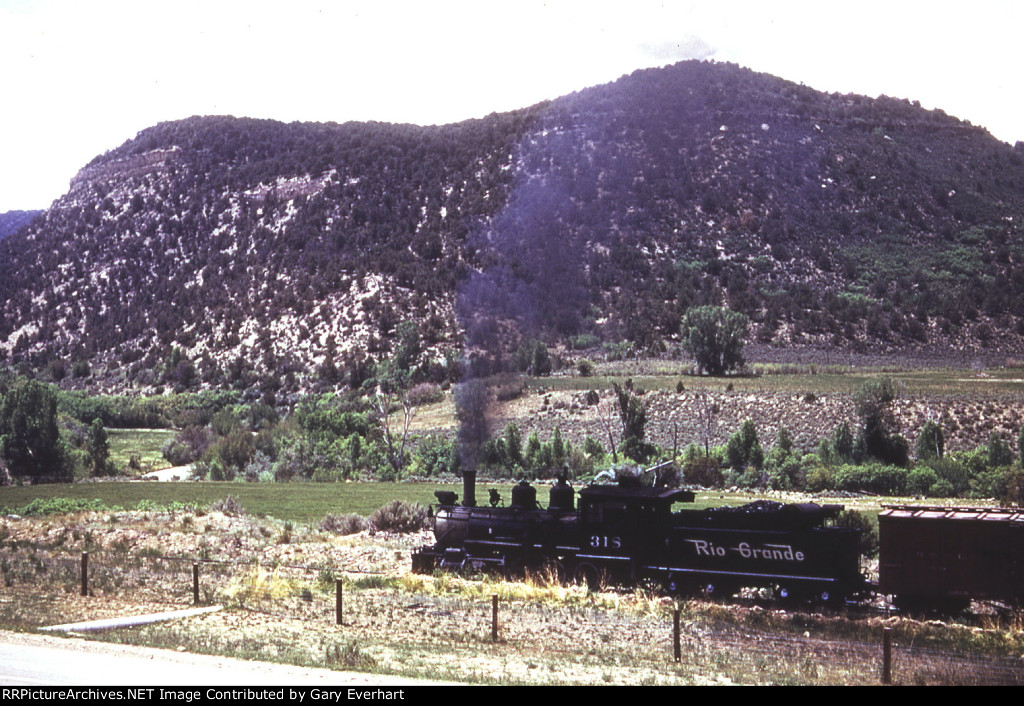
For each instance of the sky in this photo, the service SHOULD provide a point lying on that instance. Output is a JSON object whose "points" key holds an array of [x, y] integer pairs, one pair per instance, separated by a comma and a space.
{"points": [[80, 77]]}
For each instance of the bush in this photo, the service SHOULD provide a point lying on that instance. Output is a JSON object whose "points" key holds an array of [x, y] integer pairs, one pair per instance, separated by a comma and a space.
{"points": [[921, 480], [343, 524], [872, 477], [701, 470], [398, 516], [425, 393], [435, 456], [230, 506]]}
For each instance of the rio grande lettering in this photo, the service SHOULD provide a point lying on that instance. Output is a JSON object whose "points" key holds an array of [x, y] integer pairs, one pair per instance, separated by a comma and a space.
{"points": [[777, 552]]}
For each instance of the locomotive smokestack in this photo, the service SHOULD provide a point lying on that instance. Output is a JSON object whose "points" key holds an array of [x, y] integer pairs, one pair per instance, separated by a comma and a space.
{"points": [[469, 488]]}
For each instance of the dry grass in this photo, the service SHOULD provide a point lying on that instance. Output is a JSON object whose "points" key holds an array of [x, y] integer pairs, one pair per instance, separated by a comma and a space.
{"points": [[281, 605]]}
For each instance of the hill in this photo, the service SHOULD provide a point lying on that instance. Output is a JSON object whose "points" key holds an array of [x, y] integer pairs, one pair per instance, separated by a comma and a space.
{"points": [[239, 252], [12, 221]]}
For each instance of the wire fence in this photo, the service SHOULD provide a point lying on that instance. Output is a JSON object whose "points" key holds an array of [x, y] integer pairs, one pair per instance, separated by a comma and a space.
{"points": [[358, 600]]}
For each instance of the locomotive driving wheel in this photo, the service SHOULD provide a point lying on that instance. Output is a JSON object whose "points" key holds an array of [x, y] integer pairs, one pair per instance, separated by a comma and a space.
{"points": [[554, 571], [587, 574]]}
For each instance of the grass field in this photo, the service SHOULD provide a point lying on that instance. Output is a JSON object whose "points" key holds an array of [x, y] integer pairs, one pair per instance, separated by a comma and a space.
{"points": [[294, 502], [308, 503], [144, 444], [816, 379]]}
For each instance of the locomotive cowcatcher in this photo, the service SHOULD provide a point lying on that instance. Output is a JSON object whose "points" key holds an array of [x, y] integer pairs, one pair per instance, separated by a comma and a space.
{"points": [[630, 534]]}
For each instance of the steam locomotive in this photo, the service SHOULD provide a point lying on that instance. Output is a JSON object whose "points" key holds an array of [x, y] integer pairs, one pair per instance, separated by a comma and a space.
{"points": [[631, 534]]}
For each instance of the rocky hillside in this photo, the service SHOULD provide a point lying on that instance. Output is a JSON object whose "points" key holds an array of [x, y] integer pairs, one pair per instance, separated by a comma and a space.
{"points": [[224, 251], [12, 221]]}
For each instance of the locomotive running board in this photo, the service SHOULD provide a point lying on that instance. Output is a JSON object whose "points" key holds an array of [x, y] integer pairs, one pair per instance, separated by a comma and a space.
{"points": [[718, 572]]}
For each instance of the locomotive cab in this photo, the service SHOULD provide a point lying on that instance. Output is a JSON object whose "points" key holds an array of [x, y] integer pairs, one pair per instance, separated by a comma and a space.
{"points": [[621, 529]]}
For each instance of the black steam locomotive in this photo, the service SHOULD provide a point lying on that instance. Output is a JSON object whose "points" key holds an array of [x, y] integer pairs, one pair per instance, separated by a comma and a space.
{"points": [[630, 534], [929, 557]]}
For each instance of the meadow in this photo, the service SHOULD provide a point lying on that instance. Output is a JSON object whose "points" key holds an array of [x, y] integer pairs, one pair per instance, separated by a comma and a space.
{"points": [[305, 503]]}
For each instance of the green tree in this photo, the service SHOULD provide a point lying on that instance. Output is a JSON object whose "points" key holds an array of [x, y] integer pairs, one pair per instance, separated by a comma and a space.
{"points": [[532, 358], [931, 443], [878, 430], [714, 336], [999, 452], [633, 414], [744, 448], [97, 448], [407, 350], [29, 437], [514, 445]]}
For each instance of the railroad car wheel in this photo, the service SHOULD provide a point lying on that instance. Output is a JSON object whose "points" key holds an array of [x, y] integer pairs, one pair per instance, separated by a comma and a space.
{"points": [[588, 575], [555, 572], [786, 594], [717, 591]]}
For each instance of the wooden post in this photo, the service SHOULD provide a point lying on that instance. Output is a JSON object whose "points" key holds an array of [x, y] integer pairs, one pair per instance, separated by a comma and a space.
{"points": [[887, 655], [494, 617], [85, 573], [338, 602], [677, 652], [195, 584]]}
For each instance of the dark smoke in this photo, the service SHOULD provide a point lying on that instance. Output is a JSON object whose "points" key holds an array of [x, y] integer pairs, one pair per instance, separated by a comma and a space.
{"points": [[529, 279]]}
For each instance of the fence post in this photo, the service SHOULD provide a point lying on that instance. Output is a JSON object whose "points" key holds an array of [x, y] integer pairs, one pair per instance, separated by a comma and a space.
{"points": [[85, 573], [887, 655], [494, 617], [338, 602], [195, 584], [676, 650]]}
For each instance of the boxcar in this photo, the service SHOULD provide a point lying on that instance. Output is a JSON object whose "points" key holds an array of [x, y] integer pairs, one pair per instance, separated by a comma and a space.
{"points": [[942, 557]]}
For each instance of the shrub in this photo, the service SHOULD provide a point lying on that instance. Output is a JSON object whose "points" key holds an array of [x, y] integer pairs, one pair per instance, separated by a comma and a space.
{"points": [[872, 478], [343, 524], [701, 470], [230, 506], [921, 480], [425, 393], [434, 456], [744, 448], [398, 516]]}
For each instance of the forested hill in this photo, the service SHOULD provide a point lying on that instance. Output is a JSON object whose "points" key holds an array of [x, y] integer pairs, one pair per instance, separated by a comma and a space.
{"points": [[225, 251], [11, 221]]}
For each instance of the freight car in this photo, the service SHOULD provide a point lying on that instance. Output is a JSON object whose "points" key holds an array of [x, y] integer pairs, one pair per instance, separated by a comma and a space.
{"points": [[943, 557], [630, 534]]}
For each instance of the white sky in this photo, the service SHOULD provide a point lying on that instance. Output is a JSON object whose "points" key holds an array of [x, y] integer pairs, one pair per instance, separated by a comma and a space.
{"points": [[79, 77]]}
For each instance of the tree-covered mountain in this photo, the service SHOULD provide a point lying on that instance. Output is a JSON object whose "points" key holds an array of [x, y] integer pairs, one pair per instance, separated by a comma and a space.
{"points": [[224, 250], [12, 221]]}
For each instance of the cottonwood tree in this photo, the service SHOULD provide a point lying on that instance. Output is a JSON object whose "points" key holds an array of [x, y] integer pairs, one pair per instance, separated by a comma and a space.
{"points": [[714, 336], [29, 436]]}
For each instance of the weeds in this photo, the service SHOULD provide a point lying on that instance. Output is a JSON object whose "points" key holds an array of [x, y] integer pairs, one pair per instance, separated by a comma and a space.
{"points": [[347, 655]]}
